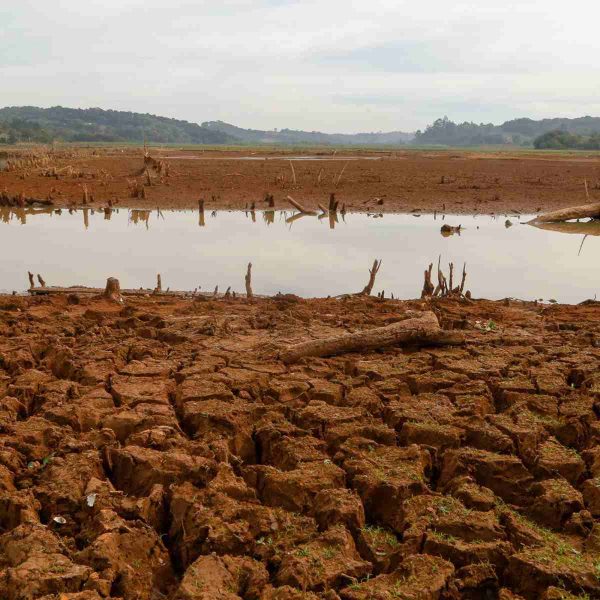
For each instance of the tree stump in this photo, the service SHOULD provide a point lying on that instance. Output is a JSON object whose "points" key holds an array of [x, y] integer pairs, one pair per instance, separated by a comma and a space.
{"points": [[113, 290]]}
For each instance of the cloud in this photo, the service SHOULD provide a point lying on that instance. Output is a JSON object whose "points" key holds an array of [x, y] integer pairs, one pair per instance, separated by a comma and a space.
{"points": [[335, 66]]}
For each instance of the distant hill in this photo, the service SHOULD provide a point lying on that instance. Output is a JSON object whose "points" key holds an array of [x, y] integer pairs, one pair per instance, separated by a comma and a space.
{"points": [[28, 123], [521, 132], [292, 136]]}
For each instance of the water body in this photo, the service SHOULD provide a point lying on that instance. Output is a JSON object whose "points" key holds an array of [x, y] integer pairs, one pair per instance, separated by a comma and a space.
{"points": [[297, 254]]}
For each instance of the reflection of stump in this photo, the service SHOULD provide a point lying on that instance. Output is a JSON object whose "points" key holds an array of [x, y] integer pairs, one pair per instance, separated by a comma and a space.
{"points": [[113, 290]]}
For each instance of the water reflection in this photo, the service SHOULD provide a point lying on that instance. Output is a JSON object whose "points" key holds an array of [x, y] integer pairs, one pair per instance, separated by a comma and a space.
{"points": [[292, 252]]}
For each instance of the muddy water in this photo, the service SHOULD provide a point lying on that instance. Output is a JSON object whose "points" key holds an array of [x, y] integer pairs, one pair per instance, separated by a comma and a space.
{"points": [[307, 256]]}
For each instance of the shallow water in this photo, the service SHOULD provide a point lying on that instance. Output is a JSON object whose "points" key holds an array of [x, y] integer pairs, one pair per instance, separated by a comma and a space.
{"points": [[305, 256], [294, 158]]}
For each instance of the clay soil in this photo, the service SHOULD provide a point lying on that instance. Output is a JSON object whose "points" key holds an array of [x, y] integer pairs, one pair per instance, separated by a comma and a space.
{"points": [[160, 450], [443, 181]]}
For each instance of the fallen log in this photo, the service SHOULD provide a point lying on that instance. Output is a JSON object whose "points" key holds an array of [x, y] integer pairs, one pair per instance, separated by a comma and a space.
{"points": [[585, 211], [299, 206], [423, 331], [585, 228]]}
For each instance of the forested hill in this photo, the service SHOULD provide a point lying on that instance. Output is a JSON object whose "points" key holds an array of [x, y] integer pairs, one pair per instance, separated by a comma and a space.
{"points": [[517, 131], [294, 136], [29, 123]]}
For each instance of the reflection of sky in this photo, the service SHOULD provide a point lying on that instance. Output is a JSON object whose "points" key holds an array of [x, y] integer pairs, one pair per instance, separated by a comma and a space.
{"points": [[307, 258]]}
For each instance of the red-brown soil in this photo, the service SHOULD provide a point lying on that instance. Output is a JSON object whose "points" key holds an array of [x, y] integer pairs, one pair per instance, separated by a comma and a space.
{"points": [[160, 450], [448, 181]]}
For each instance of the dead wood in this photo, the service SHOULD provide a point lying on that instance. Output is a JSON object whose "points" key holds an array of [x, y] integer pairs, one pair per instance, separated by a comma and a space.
{"points": [[158, 287], [113, 290], [428, 287], [42, 282], [248, 279], [299, 206], [31, 282], [585, 211], [423, 330], [372, 274]]}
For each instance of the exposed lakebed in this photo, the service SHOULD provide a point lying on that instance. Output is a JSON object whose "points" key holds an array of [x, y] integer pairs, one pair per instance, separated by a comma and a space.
{"points": [[305, 256]]}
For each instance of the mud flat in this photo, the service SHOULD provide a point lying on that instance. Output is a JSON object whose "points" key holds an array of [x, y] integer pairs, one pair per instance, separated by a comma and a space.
{"points": [[387, 181], [160, 449]]}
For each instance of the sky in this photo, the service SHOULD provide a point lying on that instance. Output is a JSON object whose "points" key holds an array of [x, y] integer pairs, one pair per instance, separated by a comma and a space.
{"points": [[328, 65]]}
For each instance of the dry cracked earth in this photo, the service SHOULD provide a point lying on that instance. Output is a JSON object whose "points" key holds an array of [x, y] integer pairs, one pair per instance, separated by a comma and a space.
{"points": [[160, 450]]}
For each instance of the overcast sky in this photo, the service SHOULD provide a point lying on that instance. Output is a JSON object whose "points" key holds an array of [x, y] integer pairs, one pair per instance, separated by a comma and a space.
{"points": [[329, 65]]}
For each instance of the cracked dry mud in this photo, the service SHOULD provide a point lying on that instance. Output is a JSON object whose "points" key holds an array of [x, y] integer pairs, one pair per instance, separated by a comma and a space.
{"points": [[161, 451]]}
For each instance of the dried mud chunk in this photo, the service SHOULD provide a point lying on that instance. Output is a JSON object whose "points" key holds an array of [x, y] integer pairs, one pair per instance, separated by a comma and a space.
{"points": [[477, 581], [481, 434], [363, 397], [367, 428], [226, 578], [286, 592], [130, 391], [83, 414], [234, 420], [434, 381], [35, 564], [44, 573], [339, 506], [135, 470], [464, 366], [556, 563], [295, 490], [524, 430], [318, 417], [537, 403], [198, 389], [555, 458], [431, 434], [288, 391], [555, 501], [36, 438], [505, 475], [127, 422], [424, 407], [380, 547], [150, 367], [516, 384], [131, 556], [461, 553], [227, 518], [322, 390], [327, 561], [419, 576], [204, 363], [61, 484], [384, 476], [591, 495], [471, 494], [26, 386], [245, 380], [17, 508]]}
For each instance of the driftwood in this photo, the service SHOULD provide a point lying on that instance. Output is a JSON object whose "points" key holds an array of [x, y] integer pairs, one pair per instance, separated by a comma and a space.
{"points": [[423, 330], [248, 280], [585, 211], [41, 280], [113, 290], [585, 228], [372, 274], [31, 281], [299, 206]]}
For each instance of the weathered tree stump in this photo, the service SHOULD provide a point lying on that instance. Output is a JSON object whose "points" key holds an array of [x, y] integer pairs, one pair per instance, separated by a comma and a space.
{"points": [[31, 281], [372, 274], [42, 282], [113, 290], [248, 280]]}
